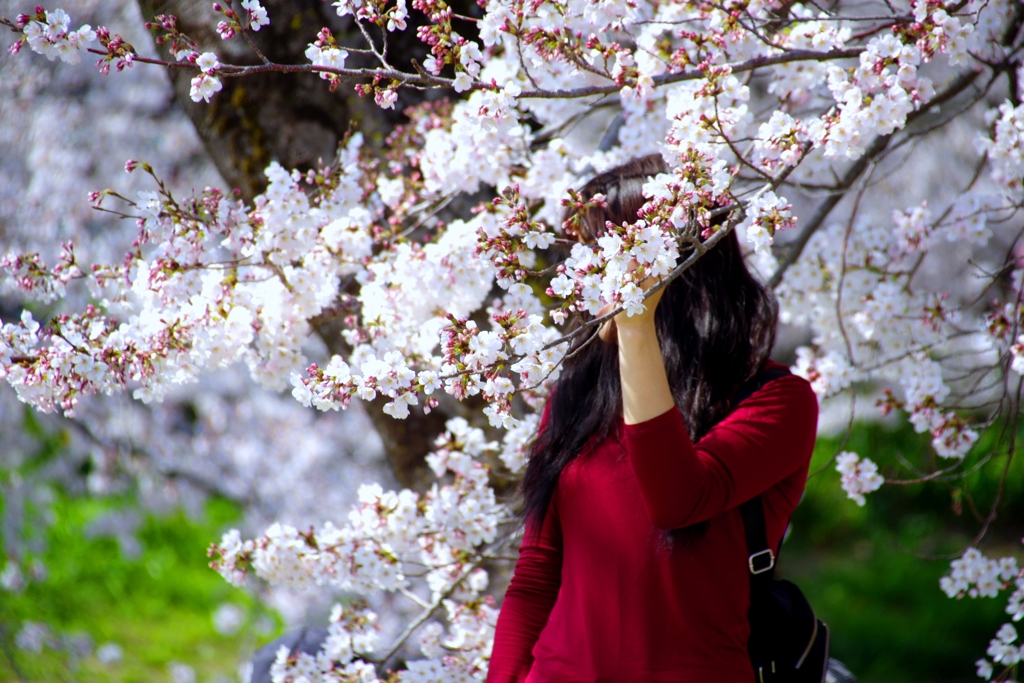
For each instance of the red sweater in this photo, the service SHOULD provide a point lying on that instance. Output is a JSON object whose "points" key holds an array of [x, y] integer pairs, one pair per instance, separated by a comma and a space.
{"points": [[596, 598]]}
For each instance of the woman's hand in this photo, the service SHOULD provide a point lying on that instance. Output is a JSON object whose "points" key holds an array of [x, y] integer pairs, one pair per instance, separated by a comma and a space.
{"points": [[608, 332], [645, 390]]}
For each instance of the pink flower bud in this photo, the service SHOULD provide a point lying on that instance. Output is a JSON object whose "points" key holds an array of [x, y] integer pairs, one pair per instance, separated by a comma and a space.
{"points": [[225, 30], [130, 165]]}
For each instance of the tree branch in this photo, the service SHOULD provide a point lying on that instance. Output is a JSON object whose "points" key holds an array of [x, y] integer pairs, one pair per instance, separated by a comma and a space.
{"points": [[694, 74], [419, 621], [796, 247]]}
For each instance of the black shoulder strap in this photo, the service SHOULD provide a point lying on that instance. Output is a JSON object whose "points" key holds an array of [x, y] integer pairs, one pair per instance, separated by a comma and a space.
{"points": [[760, 557], [761, 564], [747, 389]]}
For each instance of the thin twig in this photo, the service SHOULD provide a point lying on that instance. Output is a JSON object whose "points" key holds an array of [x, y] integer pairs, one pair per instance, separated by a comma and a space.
{"points": [[695, 74], [846, 437], [420, 620], [255, 48]]}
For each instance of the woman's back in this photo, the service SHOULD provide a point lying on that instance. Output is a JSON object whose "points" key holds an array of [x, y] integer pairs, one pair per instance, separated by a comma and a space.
{"points": [[598, 595]]}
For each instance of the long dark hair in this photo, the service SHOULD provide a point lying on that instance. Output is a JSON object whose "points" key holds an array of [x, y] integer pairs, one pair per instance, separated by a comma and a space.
{"points": [[715, 323]]}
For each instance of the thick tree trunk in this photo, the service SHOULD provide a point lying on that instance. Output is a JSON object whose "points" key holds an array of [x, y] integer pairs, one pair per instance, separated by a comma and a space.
{"points": [[294, 119], [290, 118]]}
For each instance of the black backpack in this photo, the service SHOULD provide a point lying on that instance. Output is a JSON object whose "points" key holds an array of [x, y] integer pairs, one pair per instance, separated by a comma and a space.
{"points": [[788, 642]]}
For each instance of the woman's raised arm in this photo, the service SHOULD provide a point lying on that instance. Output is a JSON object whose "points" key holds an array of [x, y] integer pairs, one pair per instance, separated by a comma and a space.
{"points": [[645, 390], [769, 437]]}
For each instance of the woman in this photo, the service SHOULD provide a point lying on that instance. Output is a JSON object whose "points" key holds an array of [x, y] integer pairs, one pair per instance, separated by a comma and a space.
{"points": [[633, 566]]}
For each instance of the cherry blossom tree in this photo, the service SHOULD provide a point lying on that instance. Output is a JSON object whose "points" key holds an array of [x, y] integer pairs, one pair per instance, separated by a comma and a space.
{"points": [[428, 264], [222, 436]]}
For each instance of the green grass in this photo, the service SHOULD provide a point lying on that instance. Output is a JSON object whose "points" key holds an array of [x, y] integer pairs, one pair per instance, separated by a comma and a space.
{"points": [[157, 607]]}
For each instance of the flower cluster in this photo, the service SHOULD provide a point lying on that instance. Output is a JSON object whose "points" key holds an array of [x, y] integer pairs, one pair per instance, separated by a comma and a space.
{"points": [[256, 15], [324, 51], [206, 84], [859, 476], [352, 633], [874, 98], [780, 142], [255, 18], [393, 18], [48, 33], [975, 575], [592, 278], [913, 230], [393, 541], [1002, 651], [28, 273], [767, 215], [797, 83], [706, 115], [1005, 148]]}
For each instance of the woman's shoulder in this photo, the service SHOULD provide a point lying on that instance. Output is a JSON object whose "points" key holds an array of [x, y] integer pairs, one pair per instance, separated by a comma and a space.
{"points": [[780, 385], [781, 413]]}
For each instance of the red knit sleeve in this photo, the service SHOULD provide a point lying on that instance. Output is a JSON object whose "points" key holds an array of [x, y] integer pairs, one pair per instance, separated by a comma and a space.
{"points": [[530, 596], [528, 601], [767, 438]]}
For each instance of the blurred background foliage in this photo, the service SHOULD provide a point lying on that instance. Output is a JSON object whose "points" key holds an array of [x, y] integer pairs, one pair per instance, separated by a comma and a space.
{"points": [[871, 572], [151, 608]]}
